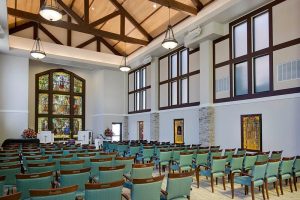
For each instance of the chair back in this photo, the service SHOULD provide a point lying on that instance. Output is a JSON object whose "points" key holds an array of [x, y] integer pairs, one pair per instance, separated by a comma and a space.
{"points": [[164, 155], [36, 159], [71, 165], [275, 155], [229, 153], [241, 151], [179, 185], [127, 161], [214, 148], [41, 167], [122, 149], [286, 166], [142, 171], [26, 182], [15, 196], [110, 191], [133, 150], [148, 152], [108, 155], [296, 167], [10, 172], [66, 193], [98, 162], [111, 174], [146, 189], [80, 177], [14, 161], [87, 158], [2, 179], [272, 168], [186, 159], [176, 153], [58, 158], [236, 162], [215, 153], [249, 161], [259, 171], [218, 164], [203, 149], [9, 156], [262, 156]]}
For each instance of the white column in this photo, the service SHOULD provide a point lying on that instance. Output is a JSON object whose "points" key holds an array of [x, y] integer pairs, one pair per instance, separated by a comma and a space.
{"points": [[154, 84]]}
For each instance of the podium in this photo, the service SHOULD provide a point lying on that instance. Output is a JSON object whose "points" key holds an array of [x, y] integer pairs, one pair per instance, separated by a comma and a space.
{"points": [[46, 137], [84, 137]]}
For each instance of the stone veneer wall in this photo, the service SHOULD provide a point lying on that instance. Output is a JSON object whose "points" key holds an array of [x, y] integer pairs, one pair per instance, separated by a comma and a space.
{"points": [[154, 126], [207, 126], [125, 129]]}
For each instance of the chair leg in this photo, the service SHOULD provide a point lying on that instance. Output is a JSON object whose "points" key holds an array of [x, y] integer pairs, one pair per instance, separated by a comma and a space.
{"points": [[263, 191], [212, 183], [232, 185], [197, 171], [216, 181], [290, 183], [252, 190], [159, 167], [223, 178], [276, 186], [246, 189], [267, 189], [295, 183], [280, 184]]}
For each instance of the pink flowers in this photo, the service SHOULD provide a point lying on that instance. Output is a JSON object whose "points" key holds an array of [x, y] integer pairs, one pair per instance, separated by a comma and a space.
{"points": [[108, 132], [29, 133]]}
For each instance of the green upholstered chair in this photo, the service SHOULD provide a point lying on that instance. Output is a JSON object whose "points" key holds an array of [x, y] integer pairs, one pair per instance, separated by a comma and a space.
{"points": [[163, 159], [139, 171], [14, 161], [146, 189], [146, 155], [178, 186], [256, 179], [36, 159], [249, 162], [296, 171], [235, 166], [122, 149], [109, 191], [87, 158], [214, 148], [9, 156], [98, 162], [108, 155], [275, 155], [240, 151], [262, 156], [26, 182], [58, 158], [201, 149], [15, 196], [66, 193], [200, 161], [229, 153], [217, 170], [10, 173], [41, 167], [111, 174], [176, 153], [71, 165], [214, 153], [185, 162], [272, 175], [2, 180], [286, 172], [133, 150], [79, 177], [127, 161]]}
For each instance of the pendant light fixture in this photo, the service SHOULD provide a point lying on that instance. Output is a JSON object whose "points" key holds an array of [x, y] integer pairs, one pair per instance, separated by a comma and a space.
{"points": [[169, 42], [37, 51], [51, 11], [125, 67]]}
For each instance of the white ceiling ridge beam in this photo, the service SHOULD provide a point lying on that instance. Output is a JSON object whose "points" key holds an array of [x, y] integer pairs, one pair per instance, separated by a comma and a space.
{"points": [[4, 44], [22, 46]]}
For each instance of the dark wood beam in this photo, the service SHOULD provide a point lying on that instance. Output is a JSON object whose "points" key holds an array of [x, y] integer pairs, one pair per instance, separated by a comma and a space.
{"points": [[122, 25], [198, 4], [177, 6], [21, 27], [93, 39], [84, 28], [105, 18], [70, 12], [111, 48], [131, 19], [86, 11], [42, 2], [98, 45], [69, 33], [72, 4], [35, 31], [50, 35]]}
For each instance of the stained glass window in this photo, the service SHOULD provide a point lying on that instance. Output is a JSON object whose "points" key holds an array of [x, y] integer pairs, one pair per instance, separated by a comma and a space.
{"points": [[61, 81], [43, 103], [44, 82], [59, 103]]}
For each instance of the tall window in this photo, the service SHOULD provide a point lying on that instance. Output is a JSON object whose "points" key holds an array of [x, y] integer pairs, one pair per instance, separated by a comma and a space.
{"points": [[60, 98], [140, 88]]}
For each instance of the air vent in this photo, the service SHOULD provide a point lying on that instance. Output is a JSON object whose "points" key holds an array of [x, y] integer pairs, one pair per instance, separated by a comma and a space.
{"points": [[289, 70], [222, 85]]}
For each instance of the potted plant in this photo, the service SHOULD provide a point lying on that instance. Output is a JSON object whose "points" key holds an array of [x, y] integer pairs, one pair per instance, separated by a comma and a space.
{"points": [[108, 132], [29, 133]]}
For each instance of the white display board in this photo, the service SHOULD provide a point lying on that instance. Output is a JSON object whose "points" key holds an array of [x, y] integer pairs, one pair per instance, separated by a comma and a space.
{"points": [[98, 143], [84, 137], [46, 137]]}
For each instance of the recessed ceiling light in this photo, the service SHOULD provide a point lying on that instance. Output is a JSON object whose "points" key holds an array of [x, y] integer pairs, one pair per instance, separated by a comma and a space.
{"points": [[154, 5], [93, 8]]}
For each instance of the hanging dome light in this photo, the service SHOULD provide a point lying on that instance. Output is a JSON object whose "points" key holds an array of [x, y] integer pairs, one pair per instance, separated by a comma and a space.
{"points": [[51, 12], [37, 51], [169, 42], [125, 67]]}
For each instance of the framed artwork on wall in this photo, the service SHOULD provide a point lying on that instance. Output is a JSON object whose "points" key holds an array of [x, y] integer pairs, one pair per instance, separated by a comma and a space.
{"points": [[251, 132], [179, 131]]}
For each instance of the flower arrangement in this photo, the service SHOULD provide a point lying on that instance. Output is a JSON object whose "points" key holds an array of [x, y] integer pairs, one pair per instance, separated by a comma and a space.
{"points": [[29, 133], [108, 132]]}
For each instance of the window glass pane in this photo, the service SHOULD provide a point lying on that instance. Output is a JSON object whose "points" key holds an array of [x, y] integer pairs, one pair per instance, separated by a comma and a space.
{"points": [[174, 92], [77, 105], [44, 82], [261, 31], [61, 127], [43, 124], [144, 99], [144, 77], [174, 65], [43, 104], [184, 61], [77, 126], [137, 101], [241, 78], [184, 95], [61, 81], [262, 74], [61, 104], [77, 85], [137, 79], [240, 39]]}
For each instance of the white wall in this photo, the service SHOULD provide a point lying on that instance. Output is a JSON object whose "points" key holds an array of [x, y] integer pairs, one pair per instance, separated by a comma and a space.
{"points": [[280, 123], [13, 96]]}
